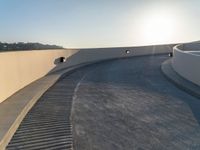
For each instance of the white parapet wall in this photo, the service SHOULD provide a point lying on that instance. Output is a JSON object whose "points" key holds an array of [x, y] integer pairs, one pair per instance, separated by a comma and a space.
{"points": [[20, 68], [186, 62]]}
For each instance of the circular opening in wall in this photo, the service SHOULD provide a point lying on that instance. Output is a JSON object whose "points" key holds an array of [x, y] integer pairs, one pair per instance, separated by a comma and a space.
{"points": [[127, 51], [170, 54]]}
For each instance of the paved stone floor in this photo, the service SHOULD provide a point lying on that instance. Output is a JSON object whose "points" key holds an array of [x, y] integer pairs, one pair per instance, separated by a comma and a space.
{"points": [[124, 104]]}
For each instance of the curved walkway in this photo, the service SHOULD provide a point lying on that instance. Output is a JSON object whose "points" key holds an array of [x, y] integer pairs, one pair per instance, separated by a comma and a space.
{"points": [[47, 125], [123, 104]]}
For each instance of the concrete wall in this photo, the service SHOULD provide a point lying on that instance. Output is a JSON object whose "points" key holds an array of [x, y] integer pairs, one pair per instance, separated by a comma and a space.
{"points": [[18, 69], [90, 55], [187, 63]]}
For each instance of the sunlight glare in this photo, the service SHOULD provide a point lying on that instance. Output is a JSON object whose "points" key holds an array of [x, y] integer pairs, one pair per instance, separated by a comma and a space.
{"points": [[158, 28]]}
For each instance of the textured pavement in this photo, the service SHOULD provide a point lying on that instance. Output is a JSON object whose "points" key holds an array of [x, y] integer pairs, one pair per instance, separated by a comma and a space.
{"points": [[124, 104], [128, 104], [47, 125]]}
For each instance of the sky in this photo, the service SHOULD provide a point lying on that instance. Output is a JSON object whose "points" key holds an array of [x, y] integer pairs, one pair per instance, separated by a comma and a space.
{"points": [[100, 23]]}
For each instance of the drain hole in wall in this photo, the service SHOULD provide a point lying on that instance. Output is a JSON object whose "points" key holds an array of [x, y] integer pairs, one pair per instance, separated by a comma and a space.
{"points": [[170, 54], [127, 51]]}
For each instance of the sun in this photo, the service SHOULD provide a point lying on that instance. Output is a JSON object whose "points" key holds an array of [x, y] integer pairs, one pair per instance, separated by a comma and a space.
{"points": [[158, 28]]}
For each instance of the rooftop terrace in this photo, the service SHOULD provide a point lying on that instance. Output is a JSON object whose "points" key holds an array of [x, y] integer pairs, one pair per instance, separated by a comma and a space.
{"points": [[116, 104]]}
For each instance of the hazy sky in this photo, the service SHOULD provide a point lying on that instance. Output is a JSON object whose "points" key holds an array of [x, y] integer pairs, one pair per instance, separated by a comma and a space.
{"points": [[99, 23]]}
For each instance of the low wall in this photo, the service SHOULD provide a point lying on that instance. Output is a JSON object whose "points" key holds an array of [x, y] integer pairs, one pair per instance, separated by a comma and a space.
{"points": [[186, 62], [90, 55], [18, 69]]}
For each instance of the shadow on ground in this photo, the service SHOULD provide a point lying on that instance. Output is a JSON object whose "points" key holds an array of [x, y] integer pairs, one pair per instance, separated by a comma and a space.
{"points": [[128, 104]]}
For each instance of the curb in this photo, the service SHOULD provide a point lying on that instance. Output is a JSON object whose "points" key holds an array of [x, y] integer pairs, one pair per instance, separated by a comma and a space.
{"points": [[178, 80]]}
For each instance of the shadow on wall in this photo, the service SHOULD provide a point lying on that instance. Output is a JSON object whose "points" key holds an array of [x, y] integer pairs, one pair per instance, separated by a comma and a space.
{"points": [[85, 56]]}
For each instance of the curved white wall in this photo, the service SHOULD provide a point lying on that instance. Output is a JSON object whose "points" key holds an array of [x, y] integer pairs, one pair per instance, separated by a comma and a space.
{"points": [[187, 63], [18, 69]]}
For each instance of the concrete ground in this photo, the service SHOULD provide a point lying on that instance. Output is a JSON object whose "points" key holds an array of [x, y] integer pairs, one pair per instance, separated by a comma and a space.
{"points": [[124, 104], [128, 104]]}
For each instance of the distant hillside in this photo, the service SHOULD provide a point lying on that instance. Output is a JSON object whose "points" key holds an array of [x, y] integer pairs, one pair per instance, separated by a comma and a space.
{"points": [[26, 46]]}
